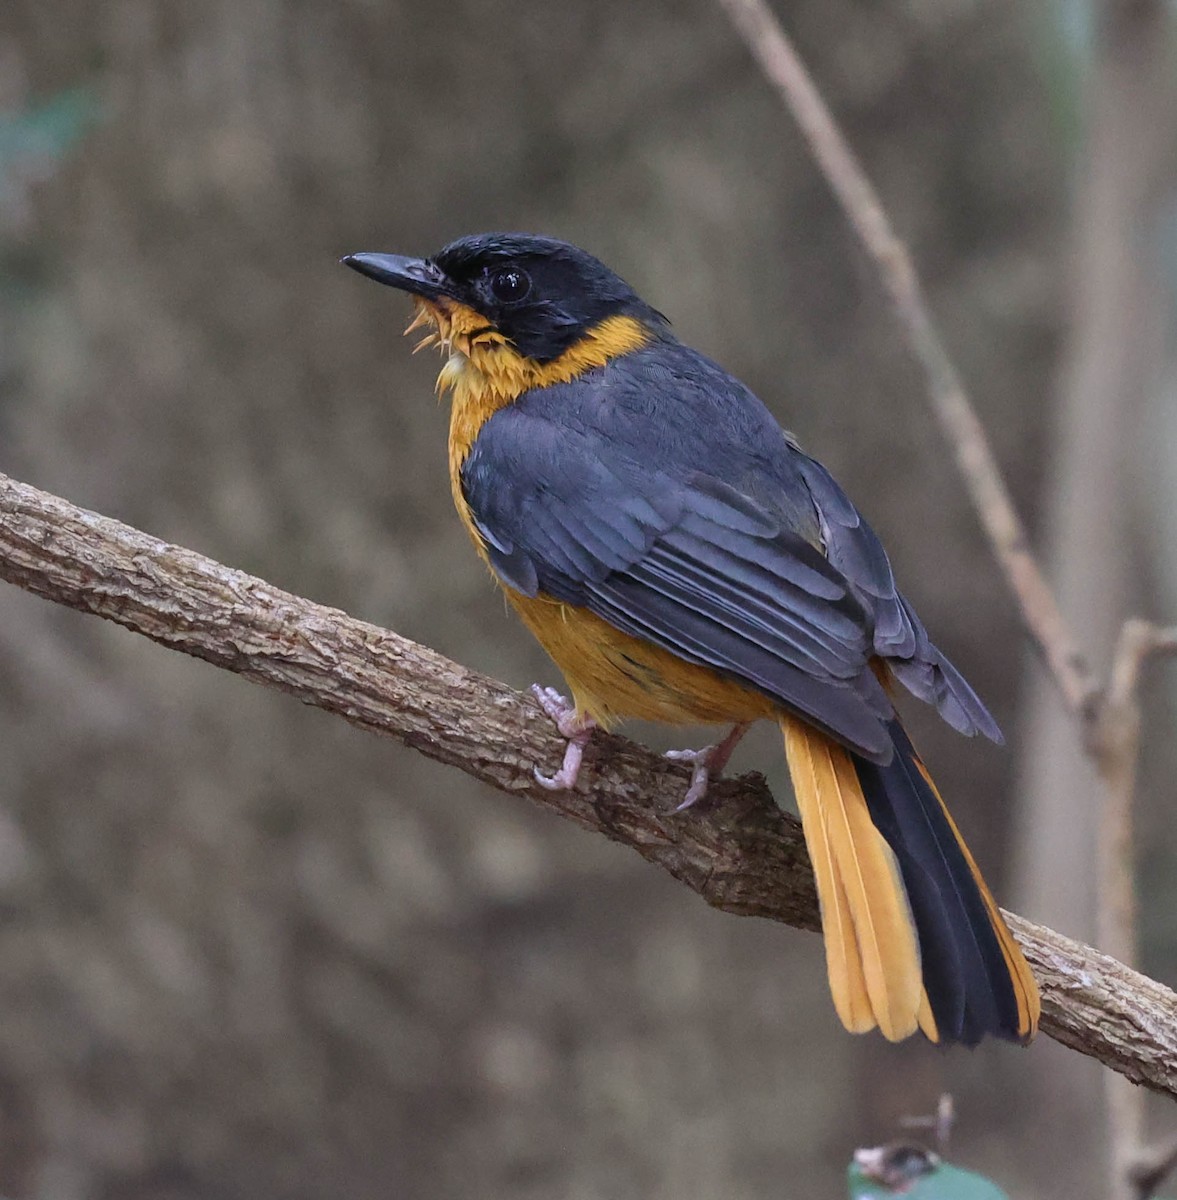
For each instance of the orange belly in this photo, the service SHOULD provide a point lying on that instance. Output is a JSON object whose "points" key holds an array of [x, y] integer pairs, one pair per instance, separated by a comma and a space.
{"points": [[613, 675]]}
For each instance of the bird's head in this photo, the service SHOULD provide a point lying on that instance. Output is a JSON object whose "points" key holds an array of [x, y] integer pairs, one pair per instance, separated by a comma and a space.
{"points": [[518, 306]]}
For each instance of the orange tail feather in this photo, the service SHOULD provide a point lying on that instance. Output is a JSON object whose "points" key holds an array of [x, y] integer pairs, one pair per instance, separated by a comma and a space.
{"points": [[913, 936], [872, 954]]}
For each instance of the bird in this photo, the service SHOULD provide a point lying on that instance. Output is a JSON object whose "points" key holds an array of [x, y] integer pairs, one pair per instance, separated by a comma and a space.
{"points": [[681, 559]]}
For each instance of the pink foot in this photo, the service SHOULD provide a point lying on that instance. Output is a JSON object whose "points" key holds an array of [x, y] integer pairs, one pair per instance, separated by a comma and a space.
{"points": [[576, 727], [708, 764]]}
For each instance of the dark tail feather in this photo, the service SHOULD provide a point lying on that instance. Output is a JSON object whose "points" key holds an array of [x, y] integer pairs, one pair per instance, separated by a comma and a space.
{"points": [[975, 977]]}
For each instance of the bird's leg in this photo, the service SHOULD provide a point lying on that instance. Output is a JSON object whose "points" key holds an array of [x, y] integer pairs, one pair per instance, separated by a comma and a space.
{"points": [[576, 727], [708, 764]]}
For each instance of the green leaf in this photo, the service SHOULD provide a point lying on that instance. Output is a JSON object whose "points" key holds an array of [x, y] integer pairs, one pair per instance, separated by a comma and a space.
{"points": [[943, 1182]]}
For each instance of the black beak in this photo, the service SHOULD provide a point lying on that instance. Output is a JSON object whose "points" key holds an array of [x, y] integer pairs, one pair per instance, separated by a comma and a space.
{"points": [[417, 276]]}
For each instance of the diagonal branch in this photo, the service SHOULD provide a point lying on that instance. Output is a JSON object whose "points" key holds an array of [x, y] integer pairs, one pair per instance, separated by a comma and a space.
{"points": [[1108, 719], [860, 202], [741, 854]]}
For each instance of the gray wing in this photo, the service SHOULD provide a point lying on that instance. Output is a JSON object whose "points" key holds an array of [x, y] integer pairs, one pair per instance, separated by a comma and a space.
{"points": [[660, 494], [854, 549], [678, 556]]}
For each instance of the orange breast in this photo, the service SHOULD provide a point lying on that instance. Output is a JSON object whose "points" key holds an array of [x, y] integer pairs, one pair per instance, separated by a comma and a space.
{"points": [[613, 675]]}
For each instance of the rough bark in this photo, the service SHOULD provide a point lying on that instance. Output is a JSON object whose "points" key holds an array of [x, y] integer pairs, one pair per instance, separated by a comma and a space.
{"points": [[740, 853]]}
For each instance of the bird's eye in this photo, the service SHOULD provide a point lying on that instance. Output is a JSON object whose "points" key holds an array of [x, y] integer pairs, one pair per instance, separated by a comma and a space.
{"points": [[510, 284]]}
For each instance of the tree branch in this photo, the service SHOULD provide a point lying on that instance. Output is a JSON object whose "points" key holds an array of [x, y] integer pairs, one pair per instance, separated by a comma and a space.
{"points": [[860, 202], [1108, 721], [740, 853]]}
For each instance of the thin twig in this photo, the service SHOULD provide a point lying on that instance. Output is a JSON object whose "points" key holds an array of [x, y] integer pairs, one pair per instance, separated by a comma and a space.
{"points": [[1113, 741], [1109, 726], [939, 1123], [1125, 169], [1139, 641], [860, 202], [1114, 744], [741, 854]]}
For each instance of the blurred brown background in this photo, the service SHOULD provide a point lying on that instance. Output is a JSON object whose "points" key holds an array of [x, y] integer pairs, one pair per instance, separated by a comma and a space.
{"points": [[247, 951]]}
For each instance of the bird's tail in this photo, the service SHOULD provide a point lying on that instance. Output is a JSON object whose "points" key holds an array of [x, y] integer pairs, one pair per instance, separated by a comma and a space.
{"points": [[913, 937]]}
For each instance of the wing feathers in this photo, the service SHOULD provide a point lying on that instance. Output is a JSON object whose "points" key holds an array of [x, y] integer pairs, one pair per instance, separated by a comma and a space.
{"points": [[633, 606], [776, 631], [670, 498]]}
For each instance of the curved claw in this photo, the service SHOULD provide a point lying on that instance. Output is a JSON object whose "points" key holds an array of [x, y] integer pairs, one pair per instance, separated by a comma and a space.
{"points": [[700, 761], [566, 776], [576, 727], [708, 763]]}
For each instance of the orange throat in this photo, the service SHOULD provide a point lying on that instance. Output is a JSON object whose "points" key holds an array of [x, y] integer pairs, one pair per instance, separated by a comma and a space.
{"points": [[483, 371]]}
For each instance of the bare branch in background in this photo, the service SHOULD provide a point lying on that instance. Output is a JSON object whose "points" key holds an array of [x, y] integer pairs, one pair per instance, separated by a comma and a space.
{"points": [[1130, 95], [1007, 535], [939, 1124], [1115, 746], [741, 854]]}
